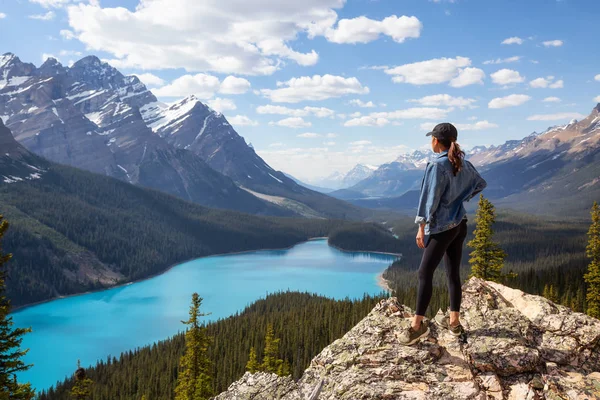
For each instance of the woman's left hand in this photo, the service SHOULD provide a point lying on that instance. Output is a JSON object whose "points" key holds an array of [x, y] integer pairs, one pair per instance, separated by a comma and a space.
{"points": [[421, 237]]}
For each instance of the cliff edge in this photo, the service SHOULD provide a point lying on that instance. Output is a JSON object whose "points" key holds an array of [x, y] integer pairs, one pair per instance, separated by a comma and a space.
{"points": [[517, 347]]}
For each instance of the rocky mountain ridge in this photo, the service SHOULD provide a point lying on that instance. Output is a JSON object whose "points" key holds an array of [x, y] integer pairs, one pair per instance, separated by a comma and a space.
{"points": [[516, 347]]}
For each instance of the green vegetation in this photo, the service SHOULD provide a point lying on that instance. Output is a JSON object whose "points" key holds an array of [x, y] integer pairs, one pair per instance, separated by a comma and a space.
{"points": [[487, 258], [75, 231], [592, 277], [271, 361], [81, 388], [11, 353], [306, 323], [364, 237], [194, 375]]}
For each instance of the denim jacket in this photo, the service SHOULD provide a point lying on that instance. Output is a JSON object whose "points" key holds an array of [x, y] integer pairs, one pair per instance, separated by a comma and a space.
{"points": [[442, 194]]}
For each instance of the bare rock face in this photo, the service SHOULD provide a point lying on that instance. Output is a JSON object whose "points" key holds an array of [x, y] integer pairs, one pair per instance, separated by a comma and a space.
{"points": [[516, 347]]}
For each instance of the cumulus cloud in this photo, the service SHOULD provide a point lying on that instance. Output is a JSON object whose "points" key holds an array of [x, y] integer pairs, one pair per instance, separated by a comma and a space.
{"points": [[234, 85], [553, 43], [512, 100], [551, 100], [477, 126], [51, 3], [242, 120], [445, 100], [221, 105], [49, 16], [597, 77], [365, 30], [320, 112], [506, 77], [547, 82], [2, 15], [413, 113], [367, 121], [292, 122], [150, 80], [597, 99], [360, 103], [201, 85], [314, 88], [309, 135], [439, 70], [253, 37], [503, 60], [513, 40], [556, 117]]}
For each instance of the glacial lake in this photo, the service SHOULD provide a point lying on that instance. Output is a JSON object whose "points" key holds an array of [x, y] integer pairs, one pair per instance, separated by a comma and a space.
{"points": [[92, 326]]}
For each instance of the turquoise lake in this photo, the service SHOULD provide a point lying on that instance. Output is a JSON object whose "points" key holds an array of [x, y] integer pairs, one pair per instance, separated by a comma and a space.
{"points": [[92, 326]]}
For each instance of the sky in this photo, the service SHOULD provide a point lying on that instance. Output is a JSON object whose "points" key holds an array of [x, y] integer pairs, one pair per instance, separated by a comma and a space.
{"points": [[318, 86]]}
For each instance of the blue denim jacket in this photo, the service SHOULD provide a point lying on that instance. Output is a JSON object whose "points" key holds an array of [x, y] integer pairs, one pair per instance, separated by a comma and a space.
{"points": [[442, 194]]}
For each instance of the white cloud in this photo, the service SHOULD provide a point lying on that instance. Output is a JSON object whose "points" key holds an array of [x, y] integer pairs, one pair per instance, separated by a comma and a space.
{"points": [[49, 16], [221, 105], [67, 34], [331, 135], [360, 143], [597, 77], [202, 85], [413, 113], [314, 88], [234, 85], [242, 120], [366, 121], [503, 60], [360, 103], [468, 76], [445, 100], [329, 143], [365, 30], [551, 100], [477, 126], [439, 70], [513, 40], [506, 77], [556, 117], [309, 135], [547, 82], [355, 114], [292, 122], [51, 3], [320, 112], [553, 43], [512, 100], [2, 15], [597, 99], [150, 80], [251, 37]]}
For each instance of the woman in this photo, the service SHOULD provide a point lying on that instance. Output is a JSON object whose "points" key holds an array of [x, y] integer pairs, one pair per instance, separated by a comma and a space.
{"points": [[449, 181]]}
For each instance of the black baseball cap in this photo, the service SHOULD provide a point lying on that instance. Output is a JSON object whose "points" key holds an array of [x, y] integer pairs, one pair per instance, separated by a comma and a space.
{"points": [[445, 130]]}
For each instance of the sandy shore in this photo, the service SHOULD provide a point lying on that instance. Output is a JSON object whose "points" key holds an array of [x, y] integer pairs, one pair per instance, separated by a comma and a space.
{"points": [[383, 283]]}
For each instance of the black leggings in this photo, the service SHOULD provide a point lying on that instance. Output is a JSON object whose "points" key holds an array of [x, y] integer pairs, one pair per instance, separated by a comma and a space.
{"points": [[447, 244]]}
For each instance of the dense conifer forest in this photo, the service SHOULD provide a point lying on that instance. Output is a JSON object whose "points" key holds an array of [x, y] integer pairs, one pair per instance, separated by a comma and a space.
{"points": [[305, 324]]}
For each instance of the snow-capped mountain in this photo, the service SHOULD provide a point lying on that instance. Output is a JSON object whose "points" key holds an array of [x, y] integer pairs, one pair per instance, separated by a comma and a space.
{"points": [[88, 116], [16, 162], [357, 174], [93, 117]]}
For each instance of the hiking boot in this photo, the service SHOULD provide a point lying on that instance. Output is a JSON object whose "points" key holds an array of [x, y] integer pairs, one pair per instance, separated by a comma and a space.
{"points": [[444, 321], [410, 336]]}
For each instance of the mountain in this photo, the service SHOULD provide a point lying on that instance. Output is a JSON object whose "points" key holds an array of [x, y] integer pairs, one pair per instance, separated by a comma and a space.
{"points": [[311, 187], [357, 174], [517, 346], [73, 231], [93, 117], [88, 116]]}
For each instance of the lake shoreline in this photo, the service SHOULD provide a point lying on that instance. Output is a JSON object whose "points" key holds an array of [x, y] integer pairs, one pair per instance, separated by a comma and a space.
{"points": [[25, 306]]}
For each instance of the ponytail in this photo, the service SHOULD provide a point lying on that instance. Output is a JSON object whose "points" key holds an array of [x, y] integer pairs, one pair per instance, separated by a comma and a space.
{"points": [[455, 155]]}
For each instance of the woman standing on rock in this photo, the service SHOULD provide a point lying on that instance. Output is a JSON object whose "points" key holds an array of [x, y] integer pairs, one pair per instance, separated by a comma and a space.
{"points": [[449, 181]]}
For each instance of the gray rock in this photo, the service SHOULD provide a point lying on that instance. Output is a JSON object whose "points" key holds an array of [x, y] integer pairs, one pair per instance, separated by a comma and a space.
{"points": [[517, 346]]}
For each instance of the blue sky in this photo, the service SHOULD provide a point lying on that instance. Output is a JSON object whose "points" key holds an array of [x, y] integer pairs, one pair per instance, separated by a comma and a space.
{"points": [[293, 76]]}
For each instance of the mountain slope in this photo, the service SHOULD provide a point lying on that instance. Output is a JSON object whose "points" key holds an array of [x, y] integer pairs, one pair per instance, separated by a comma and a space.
{"points": [[72, 231], [88, 116]]}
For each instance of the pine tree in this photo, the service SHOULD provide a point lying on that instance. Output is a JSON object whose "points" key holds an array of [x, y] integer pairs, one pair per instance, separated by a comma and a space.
{"points": [[252, 365], [592, 277], [82, 388], [284, 369], [270, 361], [487, 258], [10, 342], [194, 381]]}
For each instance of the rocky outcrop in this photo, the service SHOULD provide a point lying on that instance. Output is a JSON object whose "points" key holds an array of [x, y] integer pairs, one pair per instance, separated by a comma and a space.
{"points": [[516, 347]]}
